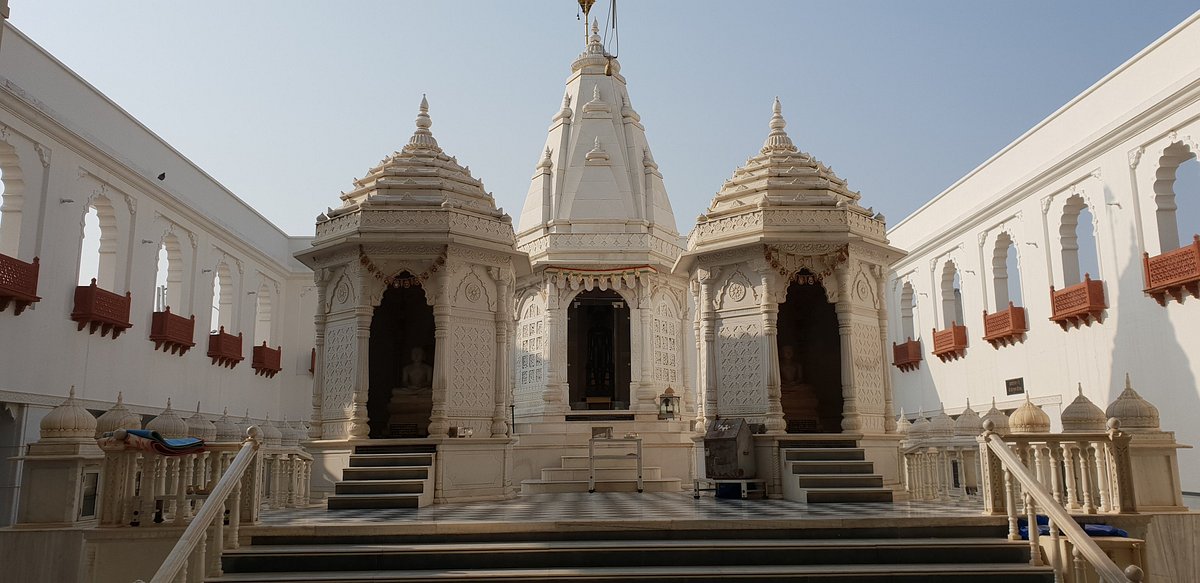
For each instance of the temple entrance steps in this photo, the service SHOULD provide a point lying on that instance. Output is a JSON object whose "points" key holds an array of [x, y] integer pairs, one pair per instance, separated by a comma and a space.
{"points": [[386, 476], [612, 475], [700, 553], [829, 469]]}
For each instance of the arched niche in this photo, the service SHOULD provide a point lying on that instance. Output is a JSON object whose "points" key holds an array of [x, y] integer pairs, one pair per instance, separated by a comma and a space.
{"points": [[1006, 275], [810, 358], [400, 392], [1178, 172], [908, 308], [952, 301]]}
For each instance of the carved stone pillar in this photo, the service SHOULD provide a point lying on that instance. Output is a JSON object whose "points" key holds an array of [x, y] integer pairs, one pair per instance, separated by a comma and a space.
{"points": [[645, 391], [320, 278], [889, 411], [708, 318], [555, 395], [441, 355], [845, 317], [691, 392], [770, 314], [499, 418], [359, 422]]}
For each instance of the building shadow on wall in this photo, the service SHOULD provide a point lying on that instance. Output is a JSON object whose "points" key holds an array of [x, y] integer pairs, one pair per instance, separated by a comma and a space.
{"points": [[1144, 346]]}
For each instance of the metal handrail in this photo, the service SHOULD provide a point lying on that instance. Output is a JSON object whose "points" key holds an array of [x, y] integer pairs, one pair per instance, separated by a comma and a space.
{"points": [[1084, 546], [210, 511]]}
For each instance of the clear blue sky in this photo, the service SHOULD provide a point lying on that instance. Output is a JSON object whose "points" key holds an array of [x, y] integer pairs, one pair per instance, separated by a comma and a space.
{"points": [[285, 102]]}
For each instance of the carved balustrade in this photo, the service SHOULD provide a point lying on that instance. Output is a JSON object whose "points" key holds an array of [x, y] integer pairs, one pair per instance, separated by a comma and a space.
{"points": [[942, 469], [906, 356], [96, 307], [1005, 327], [172, 332], [1173, 272], [225, 349], [1078, 304], [18, 283], [951, 343], [287, 474], [266, 360], [1026, 468]]}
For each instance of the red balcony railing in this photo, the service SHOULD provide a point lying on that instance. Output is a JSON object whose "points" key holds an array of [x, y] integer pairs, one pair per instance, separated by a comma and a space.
{"points": [[951, 343], [1005, 327], [172, 332], [225, 349], [18, 283], [99, 308], [907, 355], [1078, 304], [1173, 272], [265, 360]]}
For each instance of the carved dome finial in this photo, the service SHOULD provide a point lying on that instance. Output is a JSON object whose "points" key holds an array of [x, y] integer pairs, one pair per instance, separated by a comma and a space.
{"points": [[168, 423], [422, 138], [1082, 415], [70, 420], [778, 140], [119, 417], [272, 436], [1135, 413], [969, 422], [228, 431], [998, 418], [941, 425], [1029, 418], [199, 426]]}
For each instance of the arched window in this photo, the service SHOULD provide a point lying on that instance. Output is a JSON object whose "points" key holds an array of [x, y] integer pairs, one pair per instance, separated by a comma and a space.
{"points": [[908, 306], [262, 315], [11, 201], [952, 304], [98, 250], [1178, 174], [1006, 276], [1078, 242], [168, 281], [222, 303]]}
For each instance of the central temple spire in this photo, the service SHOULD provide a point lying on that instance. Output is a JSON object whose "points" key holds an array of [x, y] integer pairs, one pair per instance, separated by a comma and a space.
{"points": [[599, 196]]}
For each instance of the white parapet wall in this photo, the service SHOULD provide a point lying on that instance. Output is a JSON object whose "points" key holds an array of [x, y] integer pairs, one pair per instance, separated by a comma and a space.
{"points": [[1110, 151]]}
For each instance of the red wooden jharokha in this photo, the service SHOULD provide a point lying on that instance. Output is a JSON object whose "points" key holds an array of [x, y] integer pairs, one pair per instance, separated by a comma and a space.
{"points": [[172, 332], [18, 283], [1173, 272], [265, 360], [225, 349], [907, 355], [1005, 327], [951, 343], [1078, 304], [99, 308]]}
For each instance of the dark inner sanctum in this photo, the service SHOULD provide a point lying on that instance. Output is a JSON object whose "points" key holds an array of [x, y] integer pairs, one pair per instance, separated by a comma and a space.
{"points": [[810, 357], [400, 397], [598, 351]]}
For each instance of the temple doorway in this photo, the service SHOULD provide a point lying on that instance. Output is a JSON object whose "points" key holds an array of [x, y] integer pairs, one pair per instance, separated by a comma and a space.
{"points": [[810, 359], [400, 396], [598, 351]]}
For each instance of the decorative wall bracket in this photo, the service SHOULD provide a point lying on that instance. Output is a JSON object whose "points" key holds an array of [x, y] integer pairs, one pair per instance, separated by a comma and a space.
{"points": [[1005, 327], [18, 283], [266, 360], [1078, 304], [225, 349], [906, 356], [1170, 273], [172, 332], [99, 308], [951, 343]]}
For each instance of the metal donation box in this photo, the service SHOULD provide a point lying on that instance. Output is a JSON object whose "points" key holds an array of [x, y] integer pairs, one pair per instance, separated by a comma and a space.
{"points": [[728, 450]]}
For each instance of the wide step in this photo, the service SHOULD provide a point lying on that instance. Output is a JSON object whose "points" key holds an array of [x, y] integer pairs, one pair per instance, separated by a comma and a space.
{"points": [[351, 501], [981, 573]]}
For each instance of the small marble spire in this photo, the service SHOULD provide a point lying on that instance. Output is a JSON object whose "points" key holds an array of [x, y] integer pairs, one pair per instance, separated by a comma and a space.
{"points": [[422, 138], [778, 140], [546, 162]]}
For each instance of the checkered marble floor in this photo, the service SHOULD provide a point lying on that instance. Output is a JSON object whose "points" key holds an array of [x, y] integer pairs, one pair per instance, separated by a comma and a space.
{"points": [[618, 506]]}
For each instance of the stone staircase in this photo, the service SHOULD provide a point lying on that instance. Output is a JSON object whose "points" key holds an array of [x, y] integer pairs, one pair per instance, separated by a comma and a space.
{"points": [[612, 475], [819, 470], [696, 554], [386, 476]]}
